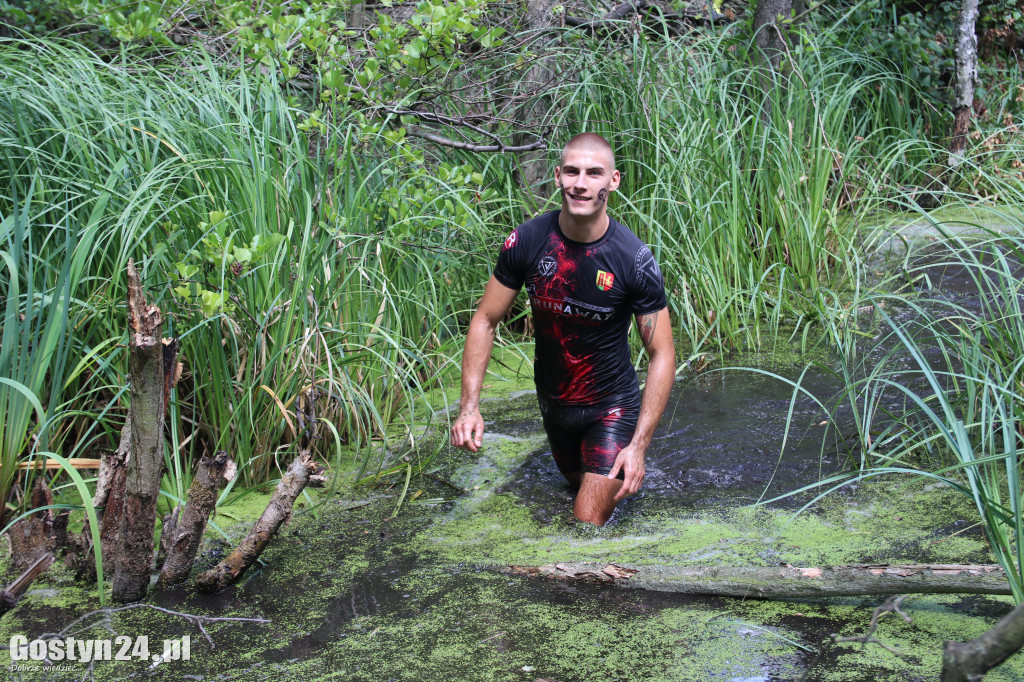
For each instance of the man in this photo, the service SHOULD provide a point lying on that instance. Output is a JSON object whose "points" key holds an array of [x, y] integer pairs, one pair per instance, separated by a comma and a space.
{"points": [[586, 275]]}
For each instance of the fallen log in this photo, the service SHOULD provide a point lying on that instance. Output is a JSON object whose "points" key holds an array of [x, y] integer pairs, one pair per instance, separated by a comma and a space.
{"points": [[188, 536], [10, 596], [785, 582], [278, 511], [154, 369]]}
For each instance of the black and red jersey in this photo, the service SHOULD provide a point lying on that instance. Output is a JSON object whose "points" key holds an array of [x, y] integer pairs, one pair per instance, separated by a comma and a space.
{"points": [[583, 297]]}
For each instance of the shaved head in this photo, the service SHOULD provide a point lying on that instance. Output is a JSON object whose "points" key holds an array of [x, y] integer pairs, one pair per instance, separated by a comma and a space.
{"points": [[591, 142]]}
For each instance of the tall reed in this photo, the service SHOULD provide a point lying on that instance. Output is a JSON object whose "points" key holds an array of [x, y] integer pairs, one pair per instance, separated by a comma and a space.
{"points": [[300, 295]]}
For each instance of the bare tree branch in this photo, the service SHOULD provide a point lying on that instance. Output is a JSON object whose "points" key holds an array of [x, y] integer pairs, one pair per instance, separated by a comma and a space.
{"points": [[891, 605], [539, 143]]}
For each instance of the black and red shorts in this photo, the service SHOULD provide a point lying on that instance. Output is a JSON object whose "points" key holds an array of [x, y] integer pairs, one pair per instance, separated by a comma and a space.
{"points": [[587, 438]]}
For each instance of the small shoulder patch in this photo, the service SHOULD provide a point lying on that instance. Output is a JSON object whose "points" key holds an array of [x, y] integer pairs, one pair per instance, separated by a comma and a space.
{"points": [[510, 240]]}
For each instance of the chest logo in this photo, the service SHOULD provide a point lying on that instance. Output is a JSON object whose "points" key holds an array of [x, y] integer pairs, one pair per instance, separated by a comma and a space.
{"points": [[605, 280], [546, 265]]}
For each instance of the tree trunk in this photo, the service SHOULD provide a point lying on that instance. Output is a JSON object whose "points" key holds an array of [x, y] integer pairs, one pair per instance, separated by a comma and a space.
{"points": [[202, 499], [154, 369], [278, 511], [785, 582], [535, 112], [966, 49], [771, 18], [968, 661]]}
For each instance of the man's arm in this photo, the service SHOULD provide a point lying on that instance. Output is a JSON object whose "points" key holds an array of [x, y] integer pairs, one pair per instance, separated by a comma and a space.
{"points": [[656, 332], [468, 429]]}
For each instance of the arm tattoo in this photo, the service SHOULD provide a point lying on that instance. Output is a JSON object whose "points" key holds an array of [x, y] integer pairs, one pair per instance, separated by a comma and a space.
{"points": [[646, 324]]}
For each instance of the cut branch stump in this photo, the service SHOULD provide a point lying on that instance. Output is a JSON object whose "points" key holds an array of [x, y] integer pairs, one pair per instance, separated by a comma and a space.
{"points": [[168, 529], [278, 511], [32, 537], [110, 495], [154, 369], [785, 582], [202, 499]]}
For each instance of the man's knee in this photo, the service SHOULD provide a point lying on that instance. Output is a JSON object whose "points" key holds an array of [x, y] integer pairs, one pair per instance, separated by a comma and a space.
{"points": [[596, 499]]}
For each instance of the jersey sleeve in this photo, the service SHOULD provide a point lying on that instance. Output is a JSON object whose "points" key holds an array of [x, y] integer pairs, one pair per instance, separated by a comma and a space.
{"points": [[648, 290], [510, 269]]}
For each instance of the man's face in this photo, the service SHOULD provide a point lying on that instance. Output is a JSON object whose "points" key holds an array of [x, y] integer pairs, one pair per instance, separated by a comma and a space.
{"points": [[586, 178]]}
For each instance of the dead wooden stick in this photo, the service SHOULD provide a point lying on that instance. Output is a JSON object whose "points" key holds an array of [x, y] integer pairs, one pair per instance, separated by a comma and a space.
{"points": [[154, 369], [75, 462], [785, 582], [102, 618], [202, 499], [968, 661], [277, 513], [10, 596], [891, 605]]}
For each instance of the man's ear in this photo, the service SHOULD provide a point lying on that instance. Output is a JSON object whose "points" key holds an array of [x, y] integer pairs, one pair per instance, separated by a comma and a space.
{"points": [[558, 175], [616, 178]]}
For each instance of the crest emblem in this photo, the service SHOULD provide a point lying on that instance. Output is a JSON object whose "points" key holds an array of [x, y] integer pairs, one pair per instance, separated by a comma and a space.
{"points": [[547, 265], [605, 280]]}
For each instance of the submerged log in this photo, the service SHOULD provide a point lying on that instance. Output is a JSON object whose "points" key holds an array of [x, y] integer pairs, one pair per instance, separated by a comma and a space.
{"points": [[785, 582], [32, 537], [202, 499], [278, 511], [154, 369], [10, 596]]}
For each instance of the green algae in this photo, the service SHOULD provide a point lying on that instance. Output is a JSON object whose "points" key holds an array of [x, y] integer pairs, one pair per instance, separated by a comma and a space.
{"points": [[441, 618], [355, 595], [874, 527]]}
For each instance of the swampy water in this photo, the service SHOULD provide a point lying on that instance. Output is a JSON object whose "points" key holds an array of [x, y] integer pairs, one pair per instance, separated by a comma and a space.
{"points": [[354, 591]]}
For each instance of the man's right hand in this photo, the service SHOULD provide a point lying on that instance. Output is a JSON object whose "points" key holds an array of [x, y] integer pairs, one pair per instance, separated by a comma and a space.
{"points": [[468, 430]]}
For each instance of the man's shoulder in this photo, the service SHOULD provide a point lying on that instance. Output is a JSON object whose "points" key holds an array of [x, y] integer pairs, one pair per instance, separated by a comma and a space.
{"points": [[625, 235], [533, 230], [629, 244]]}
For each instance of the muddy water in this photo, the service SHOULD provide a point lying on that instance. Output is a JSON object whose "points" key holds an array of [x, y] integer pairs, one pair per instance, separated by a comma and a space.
{"points": [[722, 440], [354, 591]]}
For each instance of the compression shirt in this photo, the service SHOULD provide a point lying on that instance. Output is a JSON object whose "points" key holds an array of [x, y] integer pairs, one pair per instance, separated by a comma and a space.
{"points": [[583, 297]]}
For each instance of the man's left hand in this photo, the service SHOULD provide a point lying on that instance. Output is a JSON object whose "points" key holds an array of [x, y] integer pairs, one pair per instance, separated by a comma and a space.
{"points": [[630, 461]]}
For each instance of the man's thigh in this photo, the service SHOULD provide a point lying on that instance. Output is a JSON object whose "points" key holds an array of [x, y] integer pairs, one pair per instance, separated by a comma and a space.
{"points": [[587, 439]]}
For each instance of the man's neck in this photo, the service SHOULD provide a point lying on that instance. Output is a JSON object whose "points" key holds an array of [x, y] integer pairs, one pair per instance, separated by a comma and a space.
{"points": [[583, 230]]}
